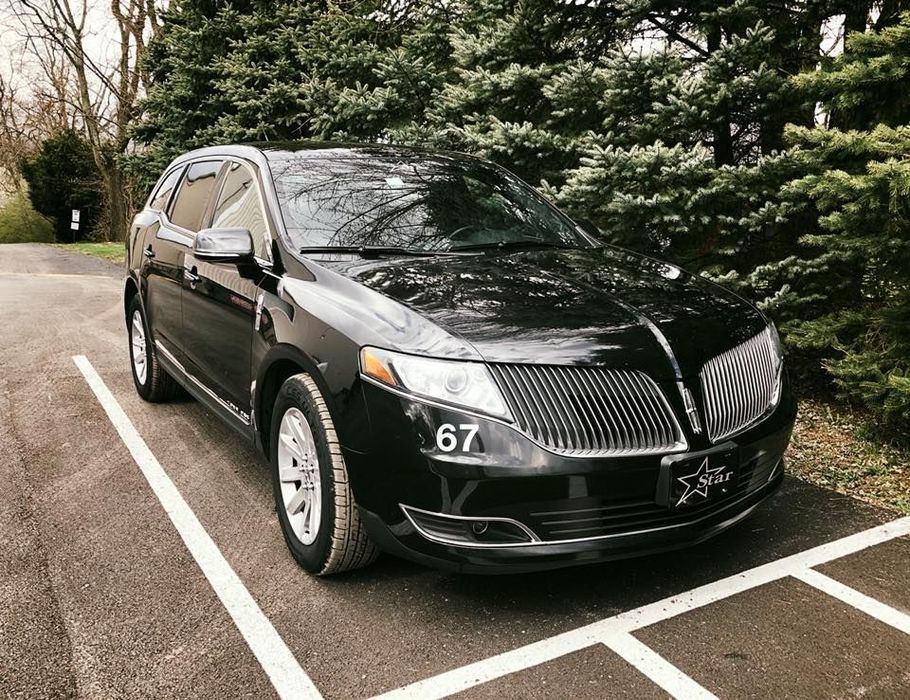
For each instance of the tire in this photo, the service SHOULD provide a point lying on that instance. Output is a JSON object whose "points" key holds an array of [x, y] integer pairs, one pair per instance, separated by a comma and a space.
{"points": [[304, 443], [152, 383]]}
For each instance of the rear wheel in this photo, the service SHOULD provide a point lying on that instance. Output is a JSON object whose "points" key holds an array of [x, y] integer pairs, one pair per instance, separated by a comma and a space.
{"points": [[152, 382], [315, 505]]}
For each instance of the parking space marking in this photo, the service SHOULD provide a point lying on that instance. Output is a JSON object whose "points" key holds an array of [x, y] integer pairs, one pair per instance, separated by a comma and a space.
{"points": [[63, 275], [286, 674], [657, 668], [860, 601], [524, 657]]}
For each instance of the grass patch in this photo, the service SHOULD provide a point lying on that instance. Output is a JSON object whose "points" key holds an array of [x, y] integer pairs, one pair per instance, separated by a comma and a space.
{"points": [[831, 448], [19, 223], [115, 252]]}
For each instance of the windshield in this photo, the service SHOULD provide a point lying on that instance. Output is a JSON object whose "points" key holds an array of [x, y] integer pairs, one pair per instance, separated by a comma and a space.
{"points": [[413, 201]]}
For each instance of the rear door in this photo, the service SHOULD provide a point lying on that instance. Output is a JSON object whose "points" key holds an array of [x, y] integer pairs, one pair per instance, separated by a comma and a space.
{"points": [[219, 302], [170, 246]]}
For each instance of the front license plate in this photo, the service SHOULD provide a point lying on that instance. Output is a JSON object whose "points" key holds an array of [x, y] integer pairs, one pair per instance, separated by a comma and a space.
{"points": [[695, 479]]}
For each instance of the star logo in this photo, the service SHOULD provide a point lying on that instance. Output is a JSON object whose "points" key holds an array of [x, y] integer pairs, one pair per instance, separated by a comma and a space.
{"points": [[701, 480]]}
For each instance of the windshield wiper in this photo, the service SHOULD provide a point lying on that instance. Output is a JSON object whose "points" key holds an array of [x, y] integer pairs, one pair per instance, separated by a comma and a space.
{"points": [[506, 245], [373, 251]]}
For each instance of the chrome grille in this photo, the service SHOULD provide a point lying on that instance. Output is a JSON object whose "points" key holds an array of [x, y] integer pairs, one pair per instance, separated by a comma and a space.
{"points": [[590, 411], [740, 386]]}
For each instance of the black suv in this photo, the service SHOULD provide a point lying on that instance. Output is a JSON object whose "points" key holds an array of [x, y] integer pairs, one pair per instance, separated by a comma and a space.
{"points": [[440, 364]]}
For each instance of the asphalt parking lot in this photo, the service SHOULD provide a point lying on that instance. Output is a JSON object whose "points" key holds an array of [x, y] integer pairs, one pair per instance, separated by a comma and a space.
{"points": [[101, 596]]}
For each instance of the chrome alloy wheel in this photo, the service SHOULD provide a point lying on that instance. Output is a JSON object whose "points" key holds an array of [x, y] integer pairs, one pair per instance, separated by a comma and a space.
{"points": [[137, 339], [298, 471]]}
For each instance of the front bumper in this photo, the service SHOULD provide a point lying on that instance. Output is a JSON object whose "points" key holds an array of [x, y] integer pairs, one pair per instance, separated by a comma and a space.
{"points": [[580, 510]]}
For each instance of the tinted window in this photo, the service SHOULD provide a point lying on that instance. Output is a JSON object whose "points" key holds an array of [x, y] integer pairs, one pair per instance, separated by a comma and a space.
{"points": [[239, 206], [163, 193], [423, 202], [194, 195]]}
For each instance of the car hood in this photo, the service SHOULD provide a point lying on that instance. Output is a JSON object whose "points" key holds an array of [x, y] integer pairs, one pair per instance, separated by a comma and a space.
{"points": [[599, 306]]}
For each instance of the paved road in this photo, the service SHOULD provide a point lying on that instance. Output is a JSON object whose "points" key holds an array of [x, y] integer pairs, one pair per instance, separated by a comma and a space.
{"points": [[99, 597]]}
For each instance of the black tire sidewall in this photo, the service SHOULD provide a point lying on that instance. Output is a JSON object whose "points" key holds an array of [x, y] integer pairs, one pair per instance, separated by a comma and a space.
{"points": [[312, 557]]}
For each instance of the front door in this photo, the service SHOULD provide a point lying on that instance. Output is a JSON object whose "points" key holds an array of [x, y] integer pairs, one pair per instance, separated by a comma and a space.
{"points": [[219, 303], [162, 266], [172, 243]]}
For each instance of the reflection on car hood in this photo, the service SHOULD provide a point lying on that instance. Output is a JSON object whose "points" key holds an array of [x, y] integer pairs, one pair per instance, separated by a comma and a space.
{"points": [[595, 306]]}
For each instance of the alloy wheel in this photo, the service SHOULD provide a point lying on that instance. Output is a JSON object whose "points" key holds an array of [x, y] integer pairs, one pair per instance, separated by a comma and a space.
{"points": [[137, 339], [298, 472]]}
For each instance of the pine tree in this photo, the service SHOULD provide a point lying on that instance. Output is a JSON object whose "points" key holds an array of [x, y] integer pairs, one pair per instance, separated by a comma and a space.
{"points": [[183, 100], [261, 74], [496, 102], [663, 123], [849, 298], [686, 160]]}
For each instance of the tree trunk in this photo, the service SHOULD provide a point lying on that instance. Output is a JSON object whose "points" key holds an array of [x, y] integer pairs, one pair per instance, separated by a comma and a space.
{"points": [[723, 138], [856, 17], [116, 205], [889, 13]]}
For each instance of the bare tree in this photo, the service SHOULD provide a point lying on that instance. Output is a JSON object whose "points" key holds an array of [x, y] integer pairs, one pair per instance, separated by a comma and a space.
{"points": [[12, 136], [30, 112], [101, 93]]}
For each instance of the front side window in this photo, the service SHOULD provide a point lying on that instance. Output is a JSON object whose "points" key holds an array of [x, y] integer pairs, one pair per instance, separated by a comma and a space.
{"points": [[414, 201], [163, 194], [194, 195], [239, 206]]}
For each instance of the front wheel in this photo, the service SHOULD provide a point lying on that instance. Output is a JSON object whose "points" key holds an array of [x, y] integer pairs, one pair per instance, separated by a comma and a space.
{"points": [[152, 382], [315, 505]]}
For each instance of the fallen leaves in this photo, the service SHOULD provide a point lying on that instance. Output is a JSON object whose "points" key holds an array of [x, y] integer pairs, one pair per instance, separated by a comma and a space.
{"points": [[830, 448]]}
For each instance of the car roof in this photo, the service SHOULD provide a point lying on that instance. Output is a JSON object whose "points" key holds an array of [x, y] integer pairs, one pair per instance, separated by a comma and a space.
{"points": [[281, 150]]}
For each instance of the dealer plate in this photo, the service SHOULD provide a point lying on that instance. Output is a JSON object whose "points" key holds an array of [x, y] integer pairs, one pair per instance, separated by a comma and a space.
{"points": [[693, 479]]}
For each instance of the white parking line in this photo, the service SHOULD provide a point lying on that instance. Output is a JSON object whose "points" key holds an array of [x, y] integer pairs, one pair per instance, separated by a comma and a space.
{"points": [[63, 275], [291, 681], [283, 670], [657, 668], [524, 657], [860, 601]]}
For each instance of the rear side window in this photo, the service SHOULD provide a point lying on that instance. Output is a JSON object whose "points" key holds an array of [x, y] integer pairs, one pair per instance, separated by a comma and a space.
{"points": [[239, 206], [163, 194], [194, 194]]}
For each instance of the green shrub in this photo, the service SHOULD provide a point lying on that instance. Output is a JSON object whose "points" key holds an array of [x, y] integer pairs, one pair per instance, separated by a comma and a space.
{"points": [[20, 223], [61, 177]]}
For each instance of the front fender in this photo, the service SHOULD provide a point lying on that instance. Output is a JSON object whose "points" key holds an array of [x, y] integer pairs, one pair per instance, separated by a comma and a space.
{"points": [[328, 357]]}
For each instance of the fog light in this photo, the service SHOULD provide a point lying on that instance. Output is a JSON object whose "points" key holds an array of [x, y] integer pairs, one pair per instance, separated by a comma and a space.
{"points": [[467, 531]]}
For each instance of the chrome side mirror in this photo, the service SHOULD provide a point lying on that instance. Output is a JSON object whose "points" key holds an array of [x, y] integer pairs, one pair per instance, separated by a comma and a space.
{"points": [[224, 245]]}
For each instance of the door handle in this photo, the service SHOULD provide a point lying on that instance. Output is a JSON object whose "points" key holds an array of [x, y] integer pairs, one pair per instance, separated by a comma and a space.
{"points": [[148, 252], [190, 275]]}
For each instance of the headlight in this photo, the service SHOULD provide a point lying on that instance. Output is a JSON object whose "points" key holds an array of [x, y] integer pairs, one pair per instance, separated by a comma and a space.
{"points": [[775, 342], [466, 384], [778, 349]]}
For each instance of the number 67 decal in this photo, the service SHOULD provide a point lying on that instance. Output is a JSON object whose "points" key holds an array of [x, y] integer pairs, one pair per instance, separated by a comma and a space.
{"points": [[447, 437]]}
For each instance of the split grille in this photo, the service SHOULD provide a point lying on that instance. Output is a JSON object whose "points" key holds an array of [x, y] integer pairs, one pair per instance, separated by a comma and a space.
{"points": [[590, 411], [740, 386]]}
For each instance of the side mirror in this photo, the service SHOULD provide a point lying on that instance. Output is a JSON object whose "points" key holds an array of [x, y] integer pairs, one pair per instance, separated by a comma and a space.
{"points": [[590, 228], [224, 245]]}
